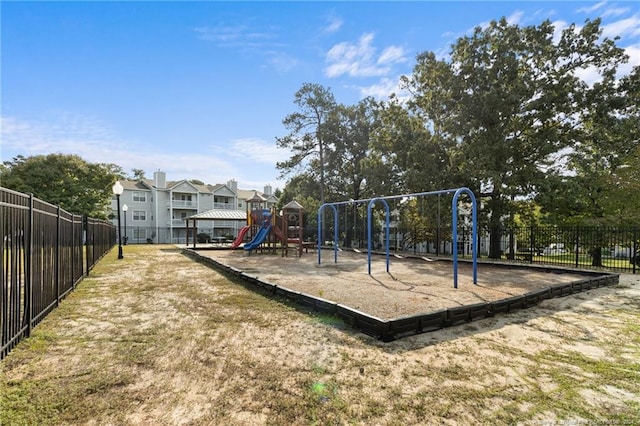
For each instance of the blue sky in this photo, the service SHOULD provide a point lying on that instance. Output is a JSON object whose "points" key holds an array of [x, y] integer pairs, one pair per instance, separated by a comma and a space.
{"points": [[200, 89]]}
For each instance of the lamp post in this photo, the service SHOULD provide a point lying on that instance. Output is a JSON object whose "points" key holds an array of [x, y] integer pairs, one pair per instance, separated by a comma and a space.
{"points": [[117, 191], [124, 209]]}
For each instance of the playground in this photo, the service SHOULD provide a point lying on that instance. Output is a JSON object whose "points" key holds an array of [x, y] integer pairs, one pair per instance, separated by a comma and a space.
{"points": [[384, 295], [414, 285]]}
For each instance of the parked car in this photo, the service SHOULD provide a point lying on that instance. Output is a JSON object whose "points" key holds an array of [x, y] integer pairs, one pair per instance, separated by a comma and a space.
{"points": [[635, 259], [554, 248]]}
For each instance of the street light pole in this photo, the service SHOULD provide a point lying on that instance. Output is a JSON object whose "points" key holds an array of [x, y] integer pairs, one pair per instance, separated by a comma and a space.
{"points": [[124, 209], [117, 191]]}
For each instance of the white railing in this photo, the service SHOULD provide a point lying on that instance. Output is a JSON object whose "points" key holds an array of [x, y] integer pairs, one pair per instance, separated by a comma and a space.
{"points": [[177, 204], [224, 206], [177, 222]]}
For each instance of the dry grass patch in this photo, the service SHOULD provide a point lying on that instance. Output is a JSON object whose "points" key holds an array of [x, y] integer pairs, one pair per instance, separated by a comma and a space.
{"points": [[157, 338]]}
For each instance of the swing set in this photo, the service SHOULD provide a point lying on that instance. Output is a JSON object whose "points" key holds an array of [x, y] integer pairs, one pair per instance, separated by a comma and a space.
{"points": [[384, 200]]}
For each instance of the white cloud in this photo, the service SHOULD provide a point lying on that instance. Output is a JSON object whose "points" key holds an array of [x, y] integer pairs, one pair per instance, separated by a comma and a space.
{"points": [[188, 165], [94, 142], [633, 52], [359, 59], [281, 61], [589, 75], [384, 88], [237, 36], [593, 8], [333, 26], [258, 150], [59, 133], [392, 54], [515, 18], [558, 28], [251, 41], [614, 11], [628, 27]]}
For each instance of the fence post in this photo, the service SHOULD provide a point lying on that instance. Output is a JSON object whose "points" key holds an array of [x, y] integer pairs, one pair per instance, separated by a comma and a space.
{"points": [[532, 242], [635, 250], [577, 246], [28, 247], [85, 224], [57, 271]]}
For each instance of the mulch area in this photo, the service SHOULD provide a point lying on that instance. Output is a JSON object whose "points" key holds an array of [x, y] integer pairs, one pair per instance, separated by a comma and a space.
{"points": [[412, 286]]}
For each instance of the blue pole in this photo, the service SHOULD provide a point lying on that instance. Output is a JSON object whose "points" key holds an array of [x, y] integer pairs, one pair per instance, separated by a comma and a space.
{"points": [[474, 233], [335, 233], [370, 233], [320, 233]]}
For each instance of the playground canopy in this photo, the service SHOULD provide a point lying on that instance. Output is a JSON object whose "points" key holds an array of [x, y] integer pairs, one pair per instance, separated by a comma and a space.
{"points": [[211, 215]]}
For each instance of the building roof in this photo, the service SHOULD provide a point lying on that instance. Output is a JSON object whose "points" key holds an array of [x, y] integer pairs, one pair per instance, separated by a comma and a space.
{"points": [[219, 214], [134, 185], [243, 194]]}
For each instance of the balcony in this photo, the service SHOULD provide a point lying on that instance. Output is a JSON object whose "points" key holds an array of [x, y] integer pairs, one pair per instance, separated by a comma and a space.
{"points": [[177, 223], [224, 206], [181, 204]]}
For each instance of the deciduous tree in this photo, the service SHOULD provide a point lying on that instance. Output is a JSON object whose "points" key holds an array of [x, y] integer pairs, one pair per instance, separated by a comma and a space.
{"points": [[65, 180], [510, 98]]}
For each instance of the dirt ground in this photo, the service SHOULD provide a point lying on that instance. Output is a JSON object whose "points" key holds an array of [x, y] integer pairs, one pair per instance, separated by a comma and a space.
{"points": [[160, 339], [412, 286]]}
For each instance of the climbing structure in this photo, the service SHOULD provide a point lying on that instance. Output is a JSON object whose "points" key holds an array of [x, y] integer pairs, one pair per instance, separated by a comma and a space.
{"points": [[292, 228]]}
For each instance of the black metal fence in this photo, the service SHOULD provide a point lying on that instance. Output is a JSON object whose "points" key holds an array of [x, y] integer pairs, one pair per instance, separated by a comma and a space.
{"points": [[45, 253], [607, 248], [612, 248]]}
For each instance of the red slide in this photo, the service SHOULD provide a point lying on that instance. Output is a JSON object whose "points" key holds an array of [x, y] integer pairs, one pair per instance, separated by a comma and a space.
{"points": [[240, 238]]}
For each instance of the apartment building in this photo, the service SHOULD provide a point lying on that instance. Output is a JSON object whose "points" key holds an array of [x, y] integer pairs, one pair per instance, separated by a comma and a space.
{"points": [[157, 208]]}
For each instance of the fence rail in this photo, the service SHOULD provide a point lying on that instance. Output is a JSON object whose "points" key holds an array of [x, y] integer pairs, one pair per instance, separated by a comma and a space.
{"points": [[608, 248], [45, 252], [614, 248]]}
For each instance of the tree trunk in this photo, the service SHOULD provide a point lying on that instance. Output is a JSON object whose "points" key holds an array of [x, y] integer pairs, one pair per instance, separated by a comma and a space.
{"points": [[495, 226], [596, 256], [495, 234]]}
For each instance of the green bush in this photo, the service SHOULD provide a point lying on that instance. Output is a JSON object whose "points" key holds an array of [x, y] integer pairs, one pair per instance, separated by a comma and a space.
{"points": [[204, 238]]}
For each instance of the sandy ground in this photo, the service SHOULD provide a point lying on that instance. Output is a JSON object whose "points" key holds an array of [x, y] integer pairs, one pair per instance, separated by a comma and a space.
{"points": [[159, 339], [412, 285]]}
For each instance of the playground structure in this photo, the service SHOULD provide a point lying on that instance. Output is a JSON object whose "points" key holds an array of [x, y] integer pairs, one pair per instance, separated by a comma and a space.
{"points": [[372, 201], [269, 231], [417, 298], [266, 229]]}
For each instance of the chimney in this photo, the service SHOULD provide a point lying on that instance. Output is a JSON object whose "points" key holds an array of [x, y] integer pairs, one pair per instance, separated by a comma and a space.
{"points": [[268, 190], [160, 179], [233, 185]]}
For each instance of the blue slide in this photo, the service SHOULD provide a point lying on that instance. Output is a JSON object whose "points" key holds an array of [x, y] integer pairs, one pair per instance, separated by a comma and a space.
{"points": [[258, 239]]}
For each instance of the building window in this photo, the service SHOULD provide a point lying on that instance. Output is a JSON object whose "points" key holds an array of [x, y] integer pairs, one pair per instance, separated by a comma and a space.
{"points": [[139, 234], [139, 215], [139, 196]]}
